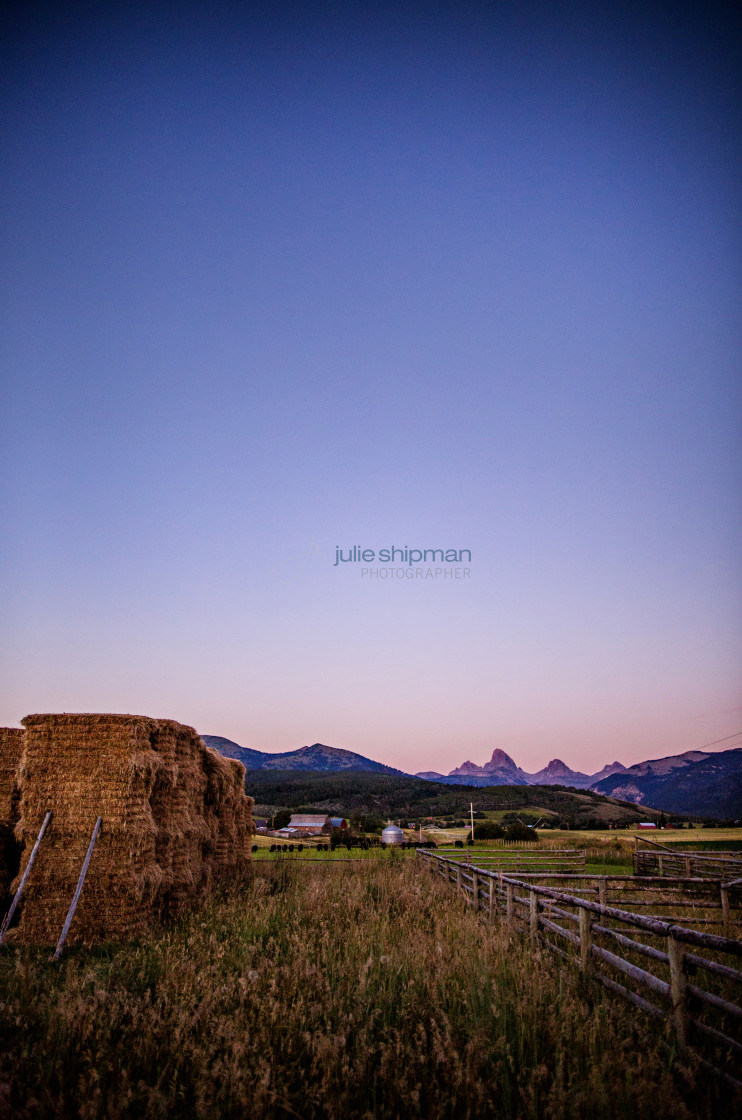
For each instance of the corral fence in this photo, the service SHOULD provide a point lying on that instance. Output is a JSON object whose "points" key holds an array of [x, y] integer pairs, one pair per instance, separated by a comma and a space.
{"points": [[520, 859], [651, 858], [686, 978]]}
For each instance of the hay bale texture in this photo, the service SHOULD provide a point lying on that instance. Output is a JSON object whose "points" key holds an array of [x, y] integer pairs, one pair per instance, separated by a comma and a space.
{"points": [[11, 748], [176, 822]]}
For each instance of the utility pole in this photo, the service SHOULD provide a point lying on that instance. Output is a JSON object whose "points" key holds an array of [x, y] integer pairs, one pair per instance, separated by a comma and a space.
{"points": [[471, 809]]}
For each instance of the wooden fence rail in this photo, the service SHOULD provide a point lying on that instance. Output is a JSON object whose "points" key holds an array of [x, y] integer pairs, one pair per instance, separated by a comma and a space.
{"points": [[697, 994], [657, 859], [520, 859]]}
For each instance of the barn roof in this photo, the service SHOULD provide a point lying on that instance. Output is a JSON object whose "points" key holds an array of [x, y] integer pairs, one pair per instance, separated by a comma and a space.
{"points": [[298, 820]]}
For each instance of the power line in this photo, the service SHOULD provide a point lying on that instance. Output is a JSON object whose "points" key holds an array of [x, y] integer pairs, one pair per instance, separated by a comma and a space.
{"points": [[724, 740]]}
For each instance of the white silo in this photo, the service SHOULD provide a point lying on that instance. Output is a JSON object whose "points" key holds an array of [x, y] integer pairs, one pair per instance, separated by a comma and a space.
{"points": [[392, 835]]}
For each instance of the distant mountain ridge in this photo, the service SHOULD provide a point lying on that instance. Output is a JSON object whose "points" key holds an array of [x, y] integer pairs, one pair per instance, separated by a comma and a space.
{"points": [[694, 783], [502, 770], [316, 757]]}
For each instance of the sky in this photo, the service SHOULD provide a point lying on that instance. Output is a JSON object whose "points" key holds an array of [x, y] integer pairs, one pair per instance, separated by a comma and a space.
{"points": [[282, 278]]}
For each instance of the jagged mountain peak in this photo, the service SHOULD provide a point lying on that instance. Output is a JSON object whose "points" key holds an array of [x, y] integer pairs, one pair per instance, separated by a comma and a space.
{"points": [[467, 767], [500, 761], [556, 766]]}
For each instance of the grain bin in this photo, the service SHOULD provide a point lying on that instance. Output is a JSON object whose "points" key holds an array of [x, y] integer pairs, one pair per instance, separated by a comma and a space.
{"points": [[392, 835]]}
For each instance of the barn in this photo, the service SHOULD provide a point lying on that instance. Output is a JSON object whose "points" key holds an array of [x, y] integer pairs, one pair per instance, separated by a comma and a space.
{"points": [[310, 824]]}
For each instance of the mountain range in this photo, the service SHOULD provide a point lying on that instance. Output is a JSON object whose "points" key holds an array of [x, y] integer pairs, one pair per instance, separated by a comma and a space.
{"points": [[709, 785], [501, 770], [695, 783], [316, 757]]}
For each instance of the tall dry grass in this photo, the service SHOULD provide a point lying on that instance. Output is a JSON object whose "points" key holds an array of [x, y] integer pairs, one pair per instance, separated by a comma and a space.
{"points": [[363, 993]]}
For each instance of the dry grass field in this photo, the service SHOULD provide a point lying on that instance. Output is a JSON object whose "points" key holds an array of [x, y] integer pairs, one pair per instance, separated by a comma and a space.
{"points": [[363, 993]]}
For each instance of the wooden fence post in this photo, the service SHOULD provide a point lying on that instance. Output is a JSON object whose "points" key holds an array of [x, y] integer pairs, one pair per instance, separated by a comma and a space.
{"points": [[509, 907], [492, 896], [533, 915], [603, 893], [688, 872], [678, 985], [586, 939], [661, 864], [475, 889], [726, 911]]}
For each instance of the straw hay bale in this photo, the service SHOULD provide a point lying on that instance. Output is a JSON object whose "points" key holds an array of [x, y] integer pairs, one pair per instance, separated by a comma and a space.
{"points": [[170, 809], [11, 748]]}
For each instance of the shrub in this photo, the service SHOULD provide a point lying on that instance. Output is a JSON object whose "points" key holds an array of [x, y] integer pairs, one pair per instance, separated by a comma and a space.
{"points": [[520, 832], [488, 830]]}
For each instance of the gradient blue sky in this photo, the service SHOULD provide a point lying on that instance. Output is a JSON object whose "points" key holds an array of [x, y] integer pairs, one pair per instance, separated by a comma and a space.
{"points": [[281, 277]]}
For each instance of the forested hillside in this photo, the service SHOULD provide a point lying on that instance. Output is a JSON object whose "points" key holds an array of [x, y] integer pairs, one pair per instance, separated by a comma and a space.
{"points": [[396, 796]]}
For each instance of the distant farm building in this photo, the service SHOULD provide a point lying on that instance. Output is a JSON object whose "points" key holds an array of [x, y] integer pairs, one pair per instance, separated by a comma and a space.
{"points": [[309, 824], [338, 822], [647, 824], [175, 822]]}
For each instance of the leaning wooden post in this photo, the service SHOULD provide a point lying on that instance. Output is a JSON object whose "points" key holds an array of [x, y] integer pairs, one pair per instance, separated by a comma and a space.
{"points": [[509, 907], [533, 915], [678, 987], [726, 911], [24, 880], [603, 892], [586, 939]]}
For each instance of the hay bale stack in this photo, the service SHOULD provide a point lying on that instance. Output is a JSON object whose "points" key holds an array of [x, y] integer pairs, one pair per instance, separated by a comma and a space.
{"points": [[178, 809], [161, 808], [11, 749], [228, 813], [80, 767]]}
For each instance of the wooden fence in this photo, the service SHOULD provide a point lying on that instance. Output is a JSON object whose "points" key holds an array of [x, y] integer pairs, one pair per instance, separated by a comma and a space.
{"points": [[520, 859], [656, 859], [685, 978]]}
